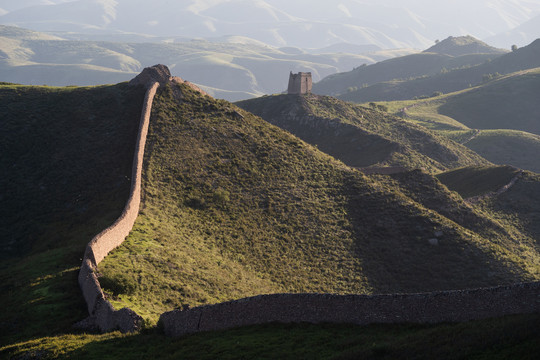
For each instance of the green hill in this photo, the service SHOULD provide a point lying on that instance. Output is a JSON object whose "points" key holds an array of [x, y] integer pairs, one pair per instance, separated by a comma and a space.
{"points": [[507, 103], [449, 81], [232, 206], [516, 148], [452, 53], [359, 136], [497, 120], [516, 208]]}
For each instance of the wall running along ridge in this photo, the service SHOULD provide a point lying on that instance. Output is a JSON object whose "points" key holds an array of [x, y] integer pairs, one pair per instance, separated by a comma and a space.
{"points": [[102, 314], [452, 306]]}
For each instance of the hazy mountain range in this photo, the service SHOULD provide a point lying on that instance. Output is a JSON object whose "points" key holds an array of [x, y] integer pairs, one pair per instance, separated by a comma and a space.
{"points": [[301, 23]]}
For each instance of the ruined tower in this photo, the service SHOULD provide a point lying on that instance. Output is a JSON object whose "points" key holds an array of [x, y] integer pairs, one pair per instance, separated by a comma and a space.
{"points": [[300, 83]]}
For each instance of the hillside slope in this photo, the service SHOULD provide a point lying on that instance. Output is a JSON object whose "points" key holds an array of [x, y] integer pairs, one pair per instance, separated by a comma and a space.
{"points": [[234, 206], [516, 208], [361, 137], [498, 119], [451, 53], [66, 163], [525, 58]]}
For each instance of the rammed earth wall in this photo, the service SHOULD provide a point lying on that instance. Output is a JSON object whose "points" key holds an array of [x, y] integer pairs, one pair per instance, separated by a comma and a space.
{"points": [[451, 306], [102, 314]]}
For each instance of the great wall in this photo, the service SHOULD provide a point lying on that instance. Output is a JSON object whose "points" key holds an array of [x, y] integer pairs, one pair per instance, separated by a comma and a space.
{"points": [[444, 306]]}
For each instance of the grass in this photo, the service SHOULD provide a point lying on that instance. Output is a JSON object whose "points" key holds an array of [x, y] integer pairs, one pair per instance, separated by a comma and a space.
{"points": [[513, 337], [66, 162], [362, 137], [232, 206], [475, 181], [496, 120], [508, 103], [235, 207]]}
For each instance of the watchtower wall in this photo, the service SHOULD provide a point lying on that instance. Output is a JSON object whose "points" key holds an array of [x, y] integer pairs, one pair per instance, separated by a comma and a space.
{"points": [[300, 83]]}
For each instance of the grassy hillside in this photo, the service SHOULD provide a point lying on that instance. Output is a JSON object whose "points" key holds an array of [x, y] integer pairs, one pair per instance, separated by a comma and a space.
{"points": [[235, 207], [482, 118], [65, 165], [524, 58], [514, 337], [508, 103], [516, 148], [359, 136], [232, 206], [516, 208]]}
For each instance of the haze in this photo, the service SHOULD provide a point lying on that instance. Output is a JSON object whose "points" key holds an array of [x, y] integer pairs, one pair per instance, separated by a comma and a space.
{"points": [[300, 23]]}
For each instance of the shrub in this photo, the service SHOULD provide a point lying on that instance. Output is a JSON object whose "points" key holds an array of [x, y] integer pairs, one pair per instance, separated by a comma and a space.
{"points": [[118, 284]]}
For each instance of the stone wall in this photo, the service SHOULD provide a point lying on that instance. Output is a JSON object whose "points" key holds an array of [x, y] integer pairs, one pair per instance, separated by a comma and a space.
{"points": [[445, 306], [102, 315]]}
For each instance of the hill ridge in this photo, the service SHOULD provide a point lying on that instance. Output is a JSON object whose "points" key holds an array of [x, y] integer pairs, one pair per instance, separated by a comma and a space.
{"points": [[102, 313]]}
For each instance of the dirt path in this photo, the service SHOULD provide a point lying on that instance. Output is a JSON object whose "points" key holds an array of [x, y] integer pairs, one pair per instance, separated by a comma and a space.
{"points": [[472, 137], [502, 190]]}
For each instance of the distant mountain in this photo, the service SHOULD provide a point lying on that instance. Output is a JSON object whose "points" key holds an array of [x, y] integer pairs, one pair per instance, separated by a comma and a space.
{"points": [[463, 45], [452, 53], [231, 67], [524, 58], [299, 23], [522, 35], [361, 137]]}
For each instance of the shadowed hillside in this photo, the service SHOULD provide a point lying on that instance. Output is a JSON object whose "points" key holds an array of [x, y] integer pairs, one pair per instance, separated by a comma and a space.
{"points": [[359, 136], [65, 165], [516, 207]]}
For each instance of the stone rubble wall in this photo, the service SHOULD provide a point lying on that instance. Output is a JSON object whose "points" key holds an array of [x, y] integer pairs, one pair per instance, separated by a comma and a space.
{"points": [[102, 314], [435, 307]]}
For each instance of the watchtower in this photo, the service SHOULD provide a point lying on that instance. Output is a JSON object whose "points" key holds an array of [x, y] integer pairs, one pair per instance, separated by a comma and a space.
{"points": [[300, 83]]}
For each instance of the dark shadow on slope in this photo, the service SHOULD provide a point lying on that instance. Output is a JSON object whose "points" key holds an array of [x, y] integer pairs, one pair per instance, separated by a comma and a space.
{"points": [[405, 248]]}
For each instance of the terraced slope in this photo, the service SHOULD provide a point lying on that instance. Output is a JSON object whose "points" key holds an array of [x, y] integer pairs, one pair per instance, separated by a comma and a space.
{"points": [[234, 206], [359, 136]]}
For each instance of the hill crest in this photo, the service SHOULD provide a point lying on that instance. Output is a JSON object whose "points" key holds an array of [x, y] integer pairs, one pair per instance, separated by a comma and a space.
{"points": [[463, 45]]}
